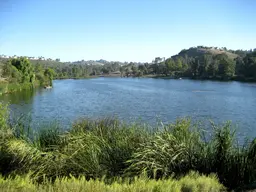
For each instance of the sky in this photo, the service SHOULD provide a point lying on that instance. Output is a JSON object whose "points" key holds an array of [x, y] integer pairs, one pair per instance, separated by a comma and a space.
{"points": [[123, 30]]}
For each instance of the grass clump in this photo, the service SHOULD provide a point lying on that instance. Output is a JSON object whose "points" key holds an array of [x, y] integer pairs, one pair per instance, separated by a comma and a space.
{"points": [[102, 147], [175, 149]]}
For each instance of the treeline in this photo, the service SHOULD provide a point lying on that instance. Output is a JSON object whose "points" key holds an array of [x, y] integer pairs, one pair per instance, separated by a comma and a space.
{"points": [[71, 70], [198, 62], [21, 71], [240, 65]]}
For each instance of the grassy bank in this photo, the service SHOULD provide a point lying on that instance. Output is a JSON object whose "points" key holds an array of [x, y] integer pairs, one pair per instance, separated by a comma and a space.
{"points": [[113, 150]]}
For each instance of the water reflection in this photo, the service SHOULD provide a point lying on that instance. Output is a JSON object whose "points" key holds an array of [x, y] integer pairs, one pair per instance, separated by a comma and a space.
{"points": [[24, 96]]}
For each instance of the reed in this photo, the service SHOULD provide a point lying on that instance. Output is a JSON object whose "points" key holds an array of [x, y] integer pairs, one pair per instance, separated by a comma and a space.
{"points": [[112, 149]]}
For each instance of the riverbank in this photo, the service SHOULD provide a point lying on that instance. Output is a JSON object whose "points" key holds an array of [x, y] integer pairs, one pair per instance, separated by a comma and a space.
{"points": [[235, 78], [91, 76], [63, 78]]}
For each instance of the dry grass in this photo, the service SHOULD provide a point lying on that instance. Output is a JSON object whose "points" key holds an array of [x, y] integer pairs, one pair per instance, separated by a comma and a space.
{"points": [[193, 182], [217, 52]]}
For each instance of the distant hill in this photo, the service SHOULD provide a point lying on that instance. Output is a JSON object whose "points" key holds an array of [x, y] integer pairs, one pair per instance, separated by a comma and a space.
{"points": [[201, 50], [90, 62], [102, 61]]}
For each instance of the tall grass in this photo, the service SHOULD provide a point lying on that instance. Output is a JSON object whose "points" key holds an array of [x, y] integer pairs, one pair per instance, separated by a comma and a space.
{"points": [[13, 87], [5, 135], [108, 148]]}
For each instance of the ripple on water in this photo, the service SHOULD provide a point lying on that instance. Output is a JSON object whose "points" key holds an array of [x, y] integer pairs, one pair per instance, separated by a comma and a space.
{"points": [[145, 99]]}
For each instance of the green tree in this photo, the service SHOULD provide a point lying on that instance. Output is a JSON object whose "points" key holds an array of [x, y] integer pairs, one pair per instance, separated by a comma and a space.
{"points": [[178, 64], [170, 66], [157, 60], [49, 74], [122, 69], [226, 66], [134, 70], [240, 66], [25, 69], [250, 65], [11, 73], [213, 68], [143, 69], [185, 66], [195, 64]]}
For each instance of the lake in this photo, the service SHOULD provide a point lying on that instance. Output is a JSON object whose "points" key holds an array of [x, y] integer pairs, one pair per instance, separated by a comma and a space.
{"points": [[148, 100]]}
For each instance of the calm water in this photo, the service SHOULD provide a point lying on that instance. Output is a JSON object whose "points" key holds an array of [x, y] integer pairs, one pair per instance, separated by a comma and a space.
{"points": [[147, 99]]}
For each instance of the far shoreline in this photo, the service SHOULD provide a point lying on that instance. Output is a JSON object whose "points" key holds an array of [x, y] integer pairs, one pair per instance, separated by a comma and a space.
{"points": [[220, 79]]}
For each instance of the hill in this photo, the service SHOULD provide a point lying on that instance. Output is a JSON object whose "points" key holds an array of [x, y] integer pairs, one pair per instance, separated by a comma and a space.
{"points": [[89, 62], [201, 50]]}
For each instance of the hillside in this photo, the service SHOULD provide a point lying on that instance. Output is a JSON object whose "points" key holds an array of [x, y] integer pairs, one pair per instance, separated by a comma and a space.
{"points": [[89, 62], [201, 50]]}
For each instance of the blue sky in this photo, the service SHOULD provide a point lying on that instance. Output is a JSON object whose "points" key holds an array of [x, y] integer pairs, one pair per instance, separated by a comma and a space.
{"points": [[124, 30]]}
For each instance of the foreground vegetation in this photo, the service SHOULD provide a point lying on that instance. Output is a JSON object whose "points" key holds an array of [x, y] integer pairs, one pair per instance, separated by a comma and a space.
{"points": [[192, 182], [111, 150]]}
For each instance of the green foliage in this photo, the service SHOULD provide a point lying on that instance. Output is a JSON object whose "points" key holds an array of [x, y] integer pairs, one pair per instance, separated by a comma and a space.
{"points": [[21, 74], [5, 134], [112, 149], [116, 141], [49, 138], [249, 65], [201, 62], [80, 69], [181, 147], [179, 64], [226, 66], [49, 74], [196, 62], [173, 150], [12, 87], [3, 116], [23, 66]]}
